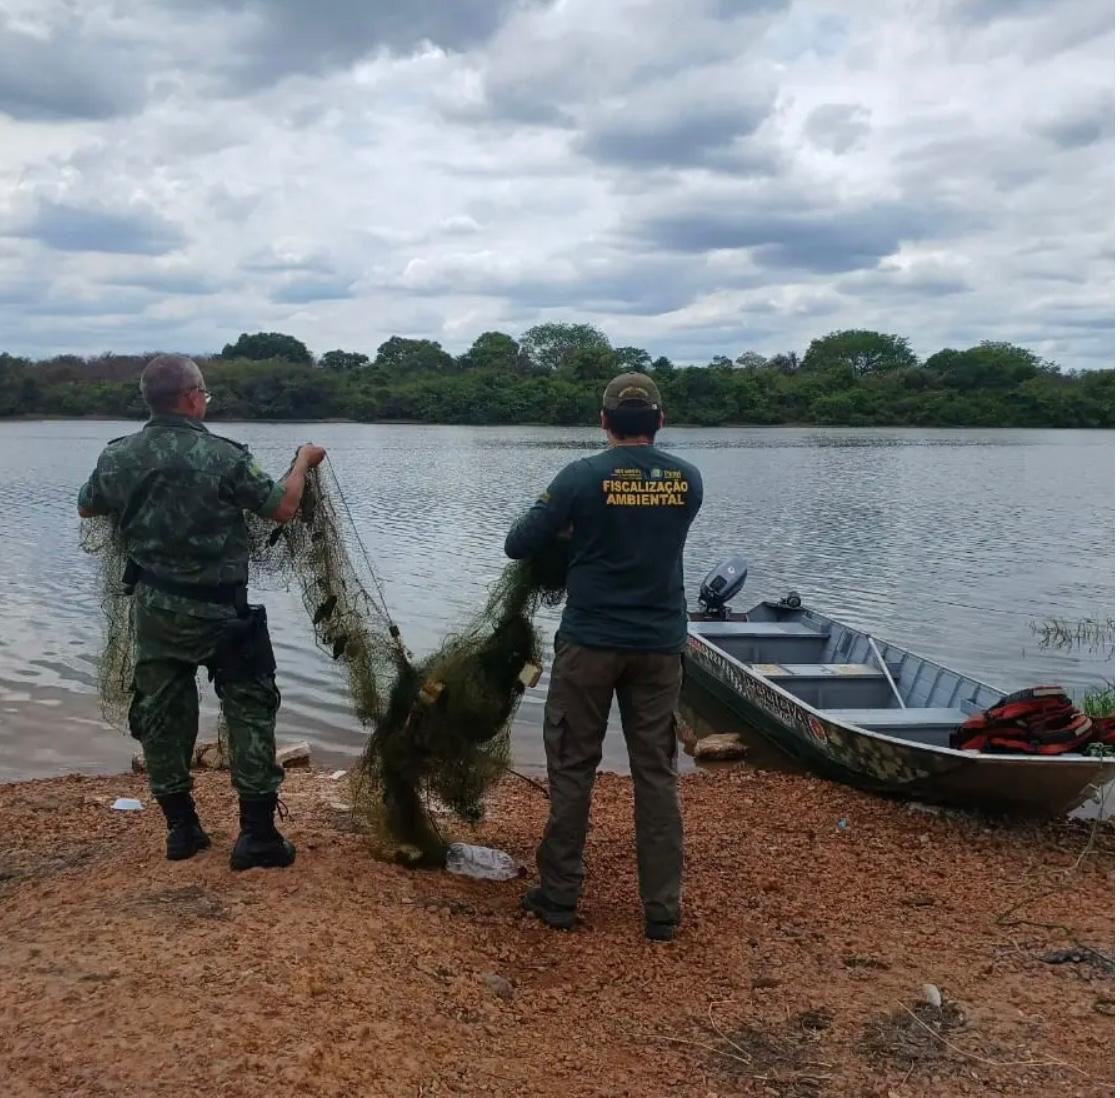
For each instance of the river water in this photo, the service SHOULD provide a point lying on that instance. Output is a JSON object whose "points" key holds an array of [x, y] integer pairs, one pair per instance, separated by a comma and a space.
{"points": [[949, 542]]}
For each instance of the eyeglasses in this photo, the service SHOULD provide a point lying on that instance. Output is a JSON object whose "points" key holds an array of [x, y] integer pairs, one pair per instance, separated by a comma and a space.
{"points": [[203, 390]]}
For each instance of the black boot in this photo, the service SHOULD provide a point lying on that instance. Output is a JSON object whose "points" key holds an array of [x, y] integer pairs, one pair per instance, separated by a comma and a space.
{"points": [[557, 916], [259, 843], [660, 932], [185, 837]]}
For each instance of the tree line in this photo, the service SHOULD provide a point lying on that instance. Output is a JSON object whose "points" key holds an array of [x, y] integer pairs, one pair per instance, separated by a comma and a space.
{"points": [[555, 373]]}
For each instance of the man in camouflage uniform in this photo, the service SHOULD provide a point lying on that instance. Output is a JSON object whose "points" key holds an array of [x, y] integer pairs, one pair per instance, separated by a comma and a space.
{"points": [[179, 495], [627, 511]]}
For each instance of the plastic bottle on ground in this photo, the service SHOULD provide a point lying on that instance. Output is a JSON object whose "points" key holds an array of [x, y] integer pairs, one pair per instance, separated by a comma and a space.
{"points": [[481, 862]]}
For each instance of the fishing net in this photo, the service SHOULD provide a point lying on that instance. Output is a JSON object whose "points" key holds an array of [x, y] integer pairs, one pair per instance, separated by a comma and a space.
{"points": [[443, 738], [439, 727], [102, 536]]}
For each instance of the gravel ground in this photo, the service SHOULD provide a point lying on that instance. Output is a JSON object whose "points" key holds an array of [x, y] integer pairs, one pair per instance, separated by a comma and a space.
{"points": [[798, 973]]}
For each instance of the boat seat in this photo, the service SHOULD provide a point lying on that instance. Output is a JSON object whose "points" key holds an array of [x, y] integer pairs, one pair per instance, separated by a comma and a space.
{"points": [[779, 671], [884, 719], [775, 629], [774, 642]]}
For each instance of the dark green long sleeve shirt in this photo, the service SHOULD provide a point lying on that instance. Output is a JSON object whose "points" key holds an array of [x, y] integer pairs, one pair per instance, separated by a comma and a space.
{"points": [[629, 509]]}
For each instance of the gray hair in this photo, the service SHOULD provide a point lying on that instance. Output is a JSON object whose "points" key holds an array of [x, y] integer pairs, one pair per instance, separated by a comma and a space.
{"points": [[166, 378]]}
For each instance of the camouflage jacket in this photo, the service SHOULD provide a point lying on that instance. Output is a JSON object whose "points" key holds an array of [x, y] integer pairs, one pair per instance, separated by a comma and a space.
{"points": [[179, 494]]}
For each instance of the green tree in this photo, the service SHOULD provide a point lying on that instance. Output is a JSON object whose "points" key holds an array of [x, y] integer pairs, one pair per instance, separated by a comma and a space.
{"points": [[751, 360], [848, 407], [701, 394], [403, 355], [492, 351], [632, 360], [549, 347], [859, 352], [591, 364], [13, 379], [989, 365], [344, 360], [264, 345], [1094, 398], [787, 363], [753, 393], [992, 384]]}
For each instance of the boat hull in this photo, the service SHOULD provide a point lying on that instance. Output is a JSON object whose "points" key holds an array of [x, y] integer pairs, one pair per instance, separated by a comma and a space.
{"points": [[1000, 783]]}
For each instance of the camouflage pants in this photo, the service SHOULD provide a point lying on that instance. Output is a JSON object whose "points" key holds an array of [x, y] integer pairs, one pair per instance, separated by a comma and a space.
{"points": [[583, 683], [170, 647]]}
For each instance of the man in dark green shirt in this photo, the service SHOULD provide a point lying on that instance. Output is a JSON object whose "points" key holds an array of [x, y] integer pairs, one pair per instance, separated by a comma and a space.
{"points": [[627, 512], [179, 495]]}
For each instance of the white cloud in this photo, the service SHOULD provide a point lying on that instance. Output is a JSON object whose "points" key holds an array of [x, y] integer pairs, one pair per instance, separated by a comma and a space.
{"points": [[695, 176]]}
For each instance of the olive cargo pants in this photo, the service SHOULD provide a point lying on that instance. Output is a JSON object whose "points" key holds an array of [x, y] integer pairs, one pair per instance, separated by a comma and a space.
{"points": [[582, 685], [170, 647]]}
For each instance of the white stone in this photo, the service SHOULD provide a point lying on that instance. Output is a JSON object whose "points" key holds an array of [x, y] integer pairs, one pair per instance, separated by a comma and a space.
{"points": [[722, 747], [294, 754]]}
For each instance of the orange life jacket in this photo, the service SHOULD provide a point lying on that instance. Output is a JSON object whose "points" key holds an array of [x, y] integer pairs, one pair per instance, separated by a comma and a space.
{"points": [[1038, 721]]}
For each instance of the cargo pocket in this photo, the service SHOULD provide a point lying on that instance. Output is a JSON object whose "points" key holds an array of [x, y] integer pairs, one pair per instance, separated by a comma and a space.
{"points": [[274, 693], [555, 733]]}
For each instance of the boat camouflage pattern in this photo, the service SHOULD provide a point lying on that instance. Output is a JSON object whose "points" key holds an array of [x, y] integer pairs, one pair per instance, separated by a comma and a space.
{"points": [[863, 754]]}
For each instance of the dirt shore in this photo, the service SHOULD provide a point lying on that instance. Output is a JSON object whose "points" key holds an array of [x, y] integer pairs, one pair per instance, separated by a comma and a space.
{"points": [[815, 915]]}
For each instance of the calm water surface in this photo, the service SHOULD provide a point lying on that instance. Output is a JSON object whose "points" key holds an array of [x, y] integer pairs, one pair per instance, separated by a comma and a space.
{"points": [[949, 542]]}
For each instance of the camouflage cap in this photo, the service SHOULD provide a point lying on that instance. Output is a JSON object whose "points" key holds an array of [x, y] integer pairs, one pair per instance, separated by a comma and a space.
{"points": [[631, 391]]}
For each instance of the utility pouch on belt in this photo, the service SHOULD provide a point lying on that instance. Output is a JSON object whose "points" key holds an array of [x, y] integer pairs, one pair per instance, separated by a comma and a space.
{"points": [[245, 651]]}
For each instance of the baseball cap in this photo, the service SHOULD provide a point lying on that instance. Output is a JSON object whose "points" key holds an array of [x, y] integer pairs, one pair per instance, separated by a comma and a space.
{"points": [[631, 391]]}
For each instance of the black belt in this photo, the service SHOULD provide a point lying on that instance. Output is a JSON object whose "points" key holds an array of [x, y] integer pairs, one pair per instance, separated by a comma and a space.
{"points": [[223, 594]]}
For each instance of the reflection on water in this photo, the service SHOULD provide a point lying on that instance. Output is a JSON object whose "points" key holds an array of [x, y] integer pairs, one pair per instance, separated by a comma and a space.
{"points": [[948, 542]]}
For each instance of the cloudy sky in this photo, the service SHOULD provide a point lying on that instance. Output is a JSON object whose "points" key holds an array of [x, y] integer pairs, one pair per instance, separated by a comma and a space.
{"points": [[694, 176]]}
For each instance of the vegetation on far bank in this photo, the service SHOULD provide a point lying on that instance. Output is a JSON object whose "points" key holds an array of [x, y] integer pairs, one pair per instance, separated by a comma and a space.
{"points": [[555, 374]]}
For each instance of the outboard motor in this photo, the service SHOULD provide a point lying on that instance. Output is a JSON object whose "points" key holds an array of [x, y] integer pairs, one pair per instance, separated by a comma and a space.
{"points": [[721, 585]]}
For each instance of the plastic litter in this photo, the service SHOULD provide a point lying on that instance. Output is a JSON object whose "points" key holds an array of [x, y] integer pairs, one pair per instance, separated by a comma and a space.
{"points": [[932, 995], [337, 774], [127, 804], [842, 825], [484, 863]]}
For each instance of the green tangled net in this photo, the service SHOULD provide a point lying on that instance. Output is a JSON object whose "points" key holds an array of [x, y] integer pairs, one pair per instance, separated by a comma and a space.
{"points": [[439, 728]]}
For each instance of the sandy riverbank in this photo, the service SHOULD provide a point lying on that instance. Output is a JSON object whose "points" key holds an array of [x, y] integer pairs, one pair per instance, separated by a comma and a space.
{"points": [[806, 943]]}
